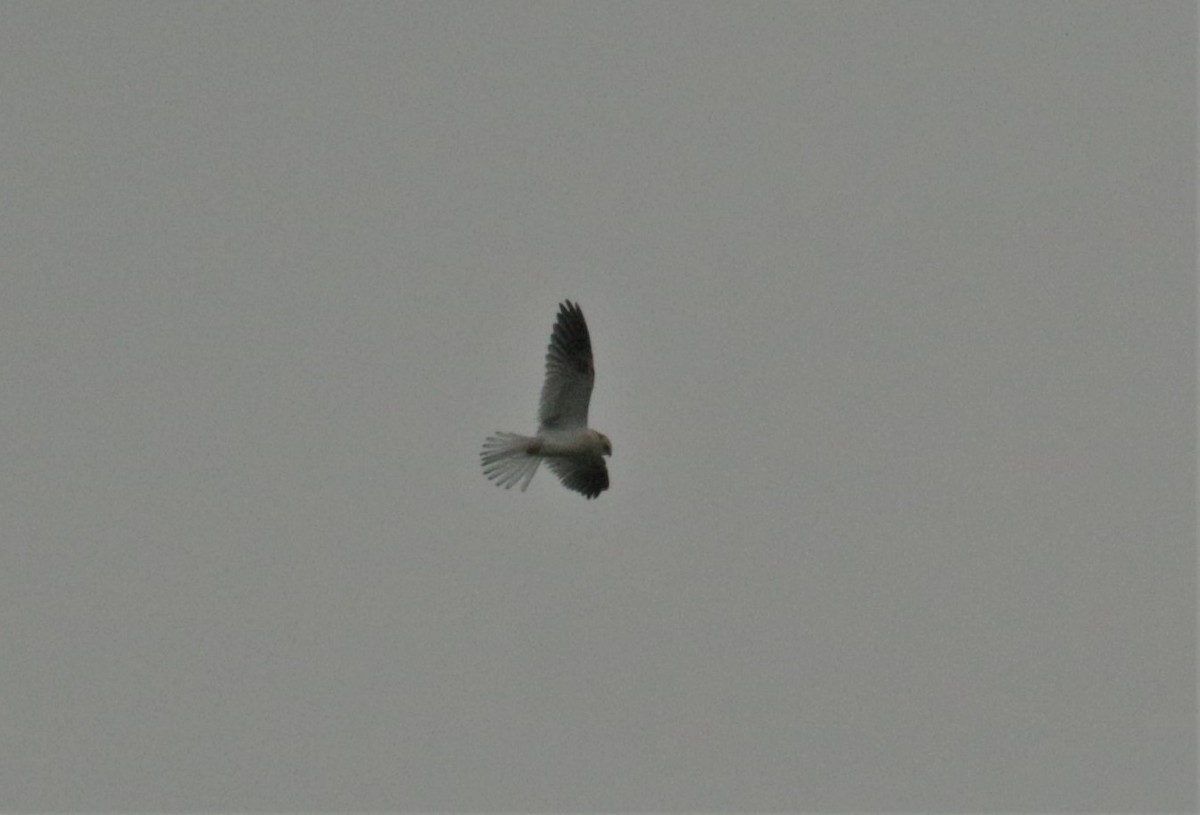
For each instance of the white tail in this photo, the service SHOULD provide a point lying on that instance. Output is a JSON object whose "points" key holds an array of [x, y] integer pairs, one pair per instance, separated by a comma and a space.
{"points": [[507, 461]]}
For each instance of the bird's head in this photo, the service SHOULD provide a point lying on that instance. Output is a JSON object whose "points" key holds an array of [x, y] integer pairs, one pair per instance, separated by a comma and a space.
{"points": [[605, 444]]}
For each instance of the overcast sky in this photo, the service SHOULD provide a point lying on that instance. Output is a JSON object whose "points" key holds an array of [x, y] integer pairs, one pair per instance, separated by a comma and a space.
{"points": [[892, 307]]}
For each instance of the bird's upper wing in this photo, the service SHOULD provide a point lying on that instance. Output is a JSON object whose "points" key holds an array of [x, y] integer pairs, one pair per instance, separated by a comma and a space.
{"points": [[569, 373], [586, 475]]}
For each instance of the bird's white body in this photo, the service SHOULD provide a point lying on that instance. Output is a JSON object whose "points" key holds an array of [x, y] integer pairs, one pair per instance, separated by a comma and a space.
{"points": [[582, 441]]}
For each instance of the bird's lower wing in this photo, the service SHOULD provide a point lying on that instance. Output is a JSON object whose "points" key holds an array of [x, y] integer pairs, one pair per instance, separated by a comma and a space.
{"points": [[587, 475]]}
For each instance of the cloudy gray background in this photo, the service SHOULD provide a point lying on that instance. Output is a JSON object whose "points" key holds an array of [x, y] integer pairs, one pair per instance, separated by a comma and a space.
{"points": [[892, 307]]}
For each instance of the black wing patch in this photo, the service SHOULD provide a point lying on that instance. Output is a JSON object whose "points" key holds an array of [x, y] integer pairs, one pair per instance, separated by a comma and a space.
{"points": [[585, 475]]}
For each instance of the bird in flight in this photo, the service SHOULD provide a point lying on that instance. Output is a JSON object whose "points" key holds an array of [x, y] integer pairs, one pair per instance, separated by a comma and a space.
{"points": [[571, 449]]}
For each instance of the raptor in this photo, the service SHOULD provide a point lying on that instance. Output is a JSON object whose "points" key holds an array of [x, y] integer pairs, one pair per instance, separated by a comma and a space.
{"points": [[569, 447]]}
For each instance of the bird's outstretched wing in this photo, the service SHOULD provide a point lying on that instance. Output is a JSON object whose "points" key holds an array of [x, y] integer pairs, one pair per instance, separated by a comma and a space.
{"points": [[586, 475], [569, 374]]}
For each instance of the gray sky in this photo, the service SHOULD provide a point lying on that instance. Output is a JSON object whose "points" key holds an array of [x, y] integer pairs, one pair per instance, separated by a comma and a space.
{"points": [[893, 313]]}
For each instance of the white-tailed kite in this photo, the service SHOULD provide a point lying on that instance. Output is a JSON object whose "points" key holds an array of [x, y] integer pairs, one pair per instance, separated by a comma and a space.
{"points": [[573, 450]]}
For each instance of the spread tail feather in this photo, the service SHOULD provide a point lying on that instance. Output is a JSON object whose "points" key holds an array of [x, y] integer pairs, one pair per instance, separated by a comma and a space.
{"points": [[507, 461]]}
